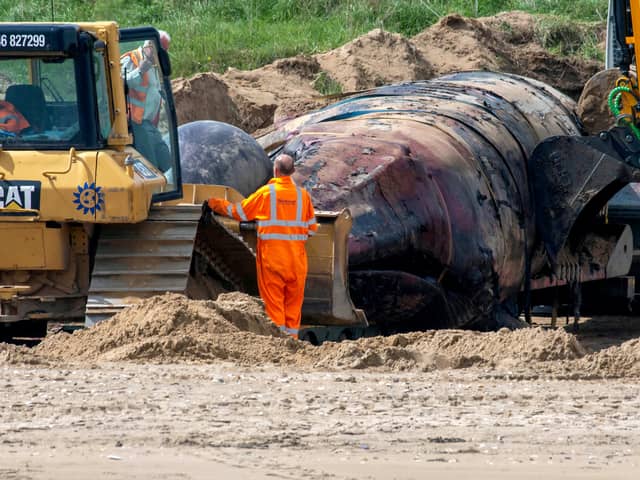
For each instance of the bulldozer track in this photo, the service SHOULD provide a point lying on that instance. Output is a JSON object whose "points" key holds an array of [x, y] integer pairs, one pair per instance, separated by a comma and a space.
{"points": [[171, 251]]}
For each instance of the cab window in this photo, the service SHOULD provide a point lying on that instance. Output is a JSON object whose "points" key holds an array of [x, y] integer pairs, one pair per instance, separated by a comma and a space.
{"points": [[39, 101]]}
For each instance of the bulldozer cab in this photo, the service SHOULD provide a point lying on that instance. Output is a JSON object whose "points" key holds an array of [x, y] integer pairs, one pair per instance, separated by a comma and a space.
{"points": [[75, 154], [59, 90]]}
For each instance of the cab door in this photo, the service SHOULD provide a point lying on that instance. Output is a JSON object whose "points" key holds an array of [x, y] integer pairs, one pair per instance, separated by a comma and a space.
{"points": [[146, 70]]}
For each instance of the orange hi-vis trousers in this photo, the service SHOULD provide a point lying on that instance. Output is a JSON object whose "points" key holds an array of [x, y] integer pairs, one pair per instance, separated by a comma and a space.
{"points": [[286, 219]]}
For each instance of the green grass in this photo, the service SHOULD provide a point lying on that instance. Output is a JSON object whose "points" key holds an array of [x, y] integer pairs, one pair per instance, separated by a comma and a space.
{"points": [[324, 84], [246, 34], [565, 37]]}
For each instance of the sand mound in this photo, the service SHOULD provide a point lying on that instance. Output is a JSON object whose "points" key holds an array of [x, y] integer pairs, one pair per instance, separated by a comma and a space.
{"points": [[515, 28], [205, 96], [279, 90], [375, 59], [246, 313], [457, 43], [253, 99], [509, 43], [453, 349], [234, 328], [567, 74], [613, 362], [171, 328], [17, 355]]}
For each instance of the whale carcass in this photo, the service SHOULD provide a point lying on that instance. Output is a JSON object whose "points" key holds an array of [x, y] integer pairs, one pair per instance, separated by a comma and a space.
{"points": [[440, 181]]}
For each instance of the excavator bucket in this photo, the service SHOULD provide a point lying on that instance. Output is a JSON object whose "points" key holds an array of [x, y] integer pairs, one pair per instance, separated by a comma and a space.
{"points": [[573, 178]]}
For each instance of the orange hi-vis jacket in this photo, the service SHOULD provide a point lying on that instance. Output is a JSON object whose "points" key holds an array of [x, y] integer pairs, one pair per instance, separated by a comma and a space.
{"points": [[286, 219], [10, 119], [137, 94]]}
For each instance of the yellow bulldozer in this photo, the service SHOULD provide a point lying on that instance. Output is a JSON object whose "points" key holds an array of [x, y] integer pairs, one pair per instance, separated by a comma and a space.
{"points": [[91, 222]]}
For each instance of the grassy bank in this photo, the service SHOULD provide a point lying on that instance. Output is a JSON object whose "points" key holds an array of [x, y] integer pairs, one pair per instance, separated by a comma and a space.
{"points": [[245, 34]]}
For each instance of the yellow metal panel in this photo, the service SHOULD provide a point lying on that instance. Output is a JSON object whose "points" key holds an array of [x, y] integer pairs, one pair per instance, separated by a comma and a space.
{"points": [[85, 186], [126, 198], [109, 33], [196, 194], [56, 247], [33, 246], [117, 205], [320, 251], [62, 177], [635, 25]]}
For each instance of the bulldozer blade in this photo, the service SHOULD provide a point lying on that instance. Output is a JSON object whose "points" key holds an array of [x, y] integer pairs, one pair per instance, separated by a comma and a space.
{"points": [[573, 178], [327, 301]]}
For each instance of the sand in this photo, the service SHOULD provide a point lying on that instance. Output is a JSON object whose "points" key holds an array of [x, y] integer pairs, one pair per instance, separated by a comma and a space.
{"points": [[187, 389]]}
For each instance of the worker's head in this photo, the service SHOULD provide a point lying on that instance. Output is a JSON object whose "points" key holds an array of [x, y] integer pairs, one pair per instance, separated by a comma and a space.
{"points": [[165, 39], [283, 165], [149, 50]]}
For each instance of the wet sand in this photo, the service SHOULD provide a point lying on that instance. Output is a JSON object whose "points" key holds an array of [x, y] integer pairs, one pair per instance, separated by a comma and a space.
{"points": [[126, 421]]}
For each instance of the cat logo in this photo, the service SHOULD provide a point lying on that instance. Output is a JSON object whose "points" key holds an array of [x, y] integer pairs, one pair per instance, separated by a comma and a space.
{"points": [[19, 197]]}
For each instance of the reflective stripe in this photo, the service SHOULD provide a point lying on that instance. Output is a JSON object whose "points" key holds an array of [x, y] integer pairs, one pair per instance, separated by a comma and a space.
{"points": [[311, 233], [142, 88], [240, 211], [6, 118], [281, 236], [299, 205], [136, 102], [273, 214], [312, 221], [230, 210], [282, 223]]}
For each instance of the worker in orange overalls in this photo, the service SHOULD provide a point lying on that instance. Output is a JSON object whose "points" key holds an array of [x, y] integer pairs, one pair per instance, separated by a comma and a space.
{"points": [[286, 219], [11, 120]]}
